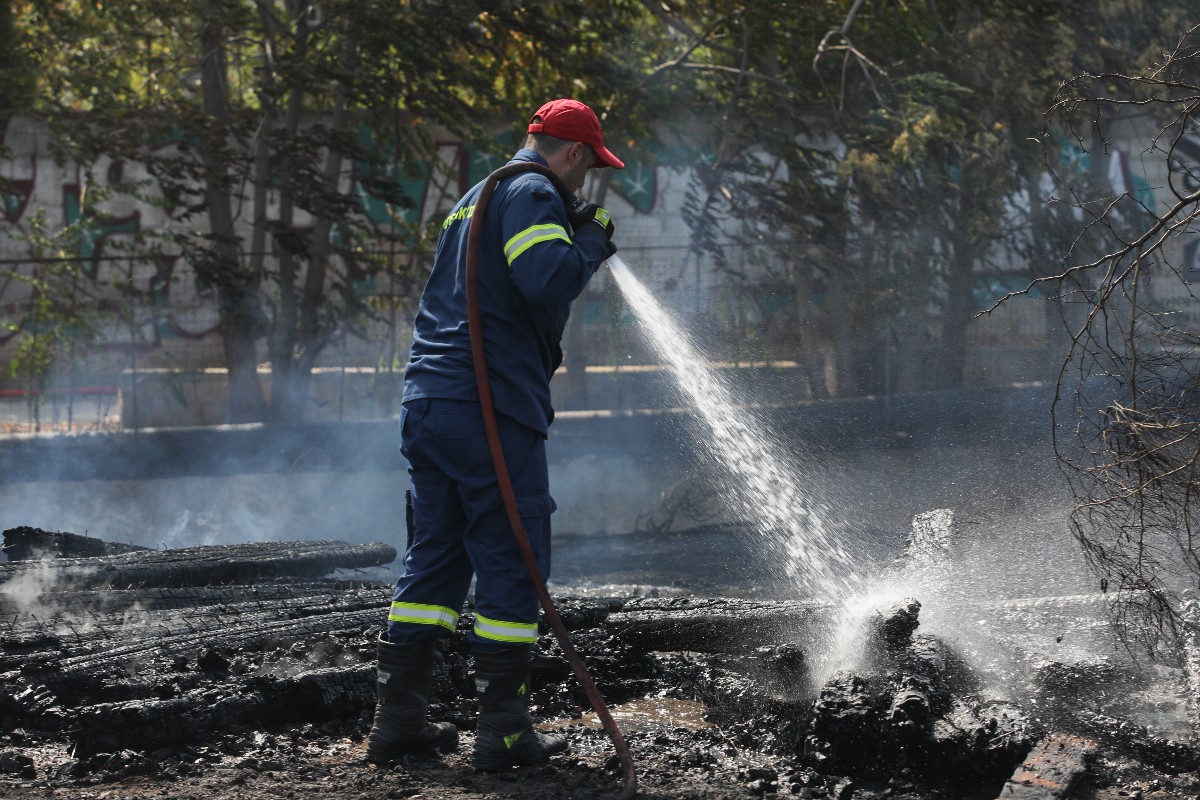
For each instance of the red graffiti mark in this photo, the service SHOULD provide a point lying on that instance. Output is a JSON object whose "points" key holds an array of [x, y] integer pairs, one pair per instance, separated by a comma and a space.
{"points": [[110, 391]]}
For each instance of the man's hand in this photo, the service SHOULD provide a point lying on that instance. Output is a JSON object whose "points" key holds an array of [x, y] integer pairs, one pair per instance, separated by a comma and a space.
{"points": [[592, 213]]}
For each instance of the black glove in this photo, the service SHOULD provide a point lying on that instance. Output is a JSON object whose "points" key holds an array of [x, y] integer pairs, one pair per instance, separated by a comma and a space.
{"points": [[580, 216]]}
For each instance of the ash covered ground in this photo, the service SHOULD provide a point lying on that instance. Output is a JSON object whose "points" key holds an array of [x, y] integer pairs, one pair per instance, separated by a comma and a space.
{"points": [[247, 671]]}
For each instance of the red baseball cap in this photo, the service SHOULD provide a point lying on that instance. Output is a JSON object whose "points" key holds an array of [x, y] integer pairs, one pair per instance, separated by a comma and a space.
{"points": [[572, 121]]}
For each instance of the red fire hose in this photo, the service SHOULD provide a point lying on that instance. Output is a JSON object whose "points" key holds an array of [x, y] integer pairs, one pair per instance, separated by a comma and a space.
{"points": [[474, 233]]}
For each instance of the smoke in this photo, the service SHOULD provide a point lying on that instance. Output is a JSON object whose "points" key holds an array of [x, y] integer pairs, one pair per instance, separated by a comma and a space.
{"points": [[190, 511], [24, 594]]}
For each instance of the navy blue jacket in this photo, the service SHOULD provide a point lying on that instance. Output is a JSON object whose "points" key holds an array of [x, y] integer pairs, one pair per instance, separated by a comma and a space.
{"points": [[530, 270]]}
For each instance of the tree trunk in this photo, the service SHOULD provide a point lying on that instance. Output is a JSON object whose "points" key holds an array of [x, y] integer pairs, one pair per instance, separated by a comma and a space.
{"points": [[808, 329], [313, 335], [840, 380], [241, 316], [285, 404], [960, 303]]}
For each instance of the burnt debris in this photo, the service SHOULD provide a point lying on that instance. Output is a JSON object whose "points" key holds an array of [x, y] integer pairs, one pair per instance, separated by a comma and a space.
{"points": [[198, 566], [25, 543], [122, 663]]}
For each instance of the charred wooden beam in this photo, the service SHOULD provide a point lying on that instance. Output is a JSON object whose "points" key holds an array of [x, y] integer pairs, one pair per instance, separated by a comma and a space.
{"points": [[90, 602], [714, 625], [75, 633], [154, 723], [1052, 770], [25, 543], [107, 667], [197, 566], [904, 711]]}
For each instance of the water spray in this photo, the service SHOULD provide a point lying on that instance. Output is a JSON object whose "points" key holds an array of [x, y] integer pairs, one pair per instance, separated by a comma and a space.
{"points": [[796, 528], [475, 324], [800, 536]]}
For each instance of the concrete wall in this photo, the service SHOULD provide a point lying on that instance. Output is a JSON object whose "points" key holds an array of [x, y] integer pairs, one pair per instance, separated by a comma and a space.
{"points": [[163, 337], [872, 463], [166, 398]]}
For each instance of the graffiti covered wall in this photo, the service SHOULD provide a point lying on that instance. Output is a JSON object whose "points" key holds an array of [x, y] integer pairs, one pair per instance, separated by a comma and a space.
{"points": [[150, 312]]}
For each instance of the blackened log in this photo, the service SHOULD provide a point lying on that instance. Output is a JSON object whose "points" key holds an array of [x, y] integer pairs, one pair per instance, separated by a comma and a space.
{"points": [[1052, 770], [200, 566], [725, 625], [269, 595], [714, 625], [116, 668], [150, 724], [77, 633], [25, 543]]}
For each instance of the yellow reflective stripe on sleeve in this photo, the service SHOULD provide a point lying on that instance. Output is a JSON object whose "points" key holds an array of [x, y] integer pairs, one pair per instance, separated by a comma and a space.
{"points": [[499, 631], [531, 236], [421, 614]]}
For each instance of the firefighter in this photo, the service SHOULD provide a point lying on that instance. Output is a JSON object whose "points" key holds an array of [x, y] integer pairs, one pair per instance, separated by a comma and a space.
{"points": [[535, 257]]}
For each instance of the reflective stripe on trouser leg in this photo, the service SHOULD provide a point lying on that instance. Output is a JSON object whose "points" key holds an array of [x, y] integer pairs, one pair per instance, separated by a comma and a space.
{"points": [[503, 590], [495, 630], [437, 569], [423, 614], [460, 523]]}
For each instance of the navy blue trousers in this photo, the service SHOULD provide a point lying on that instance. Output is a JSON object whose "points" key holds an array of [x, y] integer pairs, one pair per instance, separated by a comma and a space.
{"points": [[460, 527]]}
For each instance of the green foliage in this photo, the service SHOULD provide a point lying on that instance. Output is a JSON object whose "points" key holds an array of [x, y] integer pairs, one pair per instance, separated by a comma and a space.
{"points": [[17, 70], [871, 149], [225, 101], [882, 145], [59, 323]]}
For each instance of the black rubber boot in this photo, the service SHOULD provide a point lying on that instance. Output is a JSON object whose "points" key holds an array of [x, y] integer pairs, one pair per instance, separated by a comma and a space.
{"points": [[506, 735], [400, 728]]}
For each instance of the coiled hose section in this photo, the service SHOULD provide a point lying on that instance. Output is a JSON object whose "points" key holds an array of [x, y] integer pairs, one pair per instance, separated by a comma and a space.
{"points": [[474, 234]]}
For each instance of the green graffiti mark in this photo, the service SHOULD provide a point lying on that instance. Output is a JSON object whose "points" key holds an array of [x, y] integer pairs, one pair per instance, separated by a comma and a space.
{"points": [[637, 184], [98, 228], [394, 197], [13, 204], [987, 290]]}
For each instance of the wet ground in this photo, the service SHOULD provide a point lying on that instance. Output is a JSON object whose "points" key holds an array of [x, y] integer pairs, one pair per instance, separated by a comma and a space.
{"points": [[724, 689], [1011, 648]]}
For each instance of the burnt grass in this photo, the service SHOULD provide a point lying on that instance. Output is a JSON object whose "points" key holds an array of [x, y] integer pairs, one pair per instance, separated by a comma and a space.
{"points": [[264, 688]]}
